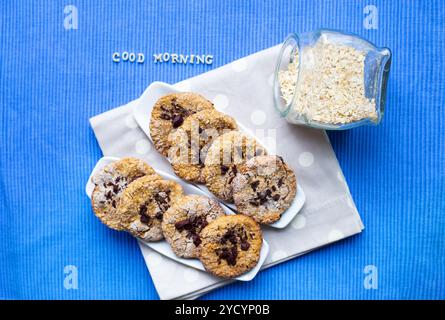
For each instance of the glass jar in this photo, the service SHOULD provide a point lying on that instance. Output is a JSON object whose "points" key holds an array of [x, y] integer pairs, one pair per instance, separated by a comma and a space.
{"points": [[331, 80]]}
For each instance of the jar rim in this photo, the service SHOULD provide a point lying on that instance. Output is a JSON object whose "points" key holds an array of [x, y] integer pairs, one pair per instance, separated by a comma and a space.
{"points": [[294, 40]]}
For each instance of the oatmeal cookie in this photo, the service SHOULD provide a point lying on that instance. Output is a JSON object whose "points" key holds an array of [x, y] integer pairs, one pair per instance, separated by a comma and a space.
{"points": [[224, 155], [169, 113], [183, 222], [231, 245], [264, 188], [192, 140], [110, 182], [143, 204]]}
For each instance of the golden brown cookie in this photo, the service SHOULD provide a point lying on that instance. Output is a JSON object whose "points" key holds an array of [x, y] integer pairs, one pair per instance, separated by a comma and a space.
{"points": [[143, 204], [192, 140], [110, 182], [225, 154], [231, 245], [183, 222], [264, 188], [169, 113]]}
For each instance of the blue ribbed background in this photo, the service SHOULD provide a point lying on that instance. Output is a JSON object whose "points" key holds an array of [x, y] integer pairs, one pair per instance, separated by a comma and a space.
{"points": [[53, 80]]}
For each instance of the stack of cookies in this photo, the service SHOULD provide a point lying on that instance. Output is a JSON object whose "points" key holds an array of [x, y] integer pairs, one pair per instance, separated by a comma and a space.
{"points": [[130, 196], [205, 146]]}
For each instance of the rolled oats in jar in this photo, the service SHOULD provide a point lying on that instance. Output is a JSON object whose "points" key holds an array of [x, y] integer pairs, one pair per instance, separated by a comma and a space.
{"points": [[331, 80]]}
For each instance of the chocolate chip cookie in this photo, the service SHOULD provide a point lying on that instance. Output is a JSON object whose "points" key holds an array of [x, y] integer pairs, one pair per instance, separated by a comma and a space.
{"points": [[225, 154], [183, 222], [143, 204], [110, 182], [169, 113], [231, 245], [264, 188], [192, 140]]}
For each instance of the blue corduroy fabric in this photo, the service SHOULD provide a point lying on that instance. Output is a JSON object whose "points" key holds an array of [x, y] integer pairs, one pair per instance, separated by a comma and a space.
{"points": [[53, 80]]}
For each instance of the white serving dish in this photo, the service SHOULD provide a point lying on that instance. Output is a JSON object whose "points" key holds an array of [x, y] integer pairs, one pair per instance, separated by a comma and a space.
{"points": [[162, 246], [142, 113]]}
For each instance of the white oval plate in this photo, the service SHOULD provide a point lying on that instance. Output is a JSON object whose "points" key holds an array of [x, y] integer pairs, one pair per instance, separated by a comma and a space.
{"points": [[142, 113], [162, 246]]}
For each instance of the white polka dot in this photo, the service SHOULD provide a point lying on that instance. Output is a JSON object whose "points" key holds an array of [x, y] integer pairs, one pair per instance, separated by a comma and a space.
{"points": [[221, 101], [132, 135], [299, 222], [335, 235], [155, 259], [278, 255], [161, 284], [239, 65], [191, 275], [271, 79], [184, 86], [258, 117], [162, 271], [306, 159], [131, 122], [142, 146]]}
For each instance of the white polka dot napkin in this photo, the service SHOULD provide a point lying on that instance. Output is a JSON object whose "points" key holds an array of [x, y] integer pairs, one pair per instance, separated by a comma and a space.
{"points": [[243, 89]]}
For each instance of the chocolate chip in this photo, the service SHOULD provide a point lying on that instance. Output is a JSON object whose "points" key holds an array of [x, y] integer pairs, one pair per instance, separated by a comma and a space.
{"points": [[224, 169], [115, 188], [204, 224], [245, 246], [196, 239], [234, 170], [160, 198], [228, 254], [109, 195], [177, 121], [229, 181], [159, 215], [113, 203], [274, 188], [254, 203], [188, 226], [264, 194], [144, 219], [143, 210], [163, 200], [165, 116], [255, 184], [229, 236], [276, 197], [118, 179], [280, 182], [181, 225], [193, 226]]}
